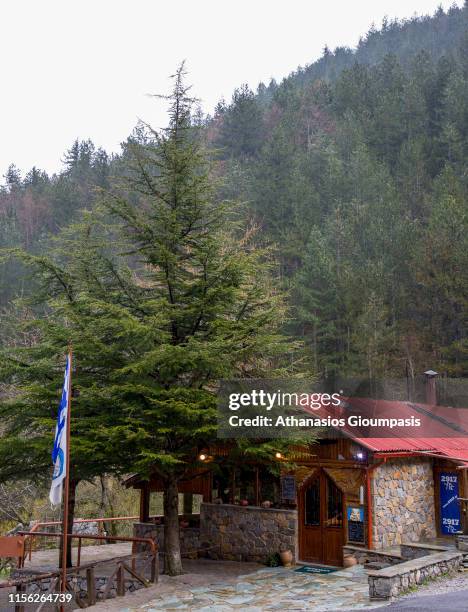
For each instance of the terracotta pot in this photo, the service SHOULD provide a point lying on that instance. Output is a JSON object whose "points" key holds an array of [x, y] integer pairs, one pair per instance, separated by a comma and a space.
{"points": [[349, 561], [286, 557]]}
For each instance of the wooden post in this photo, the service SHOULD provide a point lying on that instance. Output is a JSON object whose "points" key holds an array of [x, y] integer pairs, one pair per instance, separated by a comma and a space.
{"points": [[144, 503], [233, 484], [188, 503], [100, 531], [257, 487], [19, 606], [78, 561], [155, 567], [465, 504], [91, 586], [120, 581]]}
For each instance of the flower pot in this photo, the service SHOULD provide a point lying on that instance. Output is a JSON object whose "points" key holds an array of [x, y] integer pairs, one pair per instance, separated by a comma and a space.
{"points": [[349, 561], [266, 504], [286, 557], [244, 502]]}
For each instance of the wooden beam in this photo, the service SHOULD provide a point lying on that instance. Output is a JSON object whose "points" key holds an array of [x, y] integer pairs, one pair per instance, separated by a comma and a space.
{"points": [[257, 487], [109, 583], [145, 503], [136, 575]]}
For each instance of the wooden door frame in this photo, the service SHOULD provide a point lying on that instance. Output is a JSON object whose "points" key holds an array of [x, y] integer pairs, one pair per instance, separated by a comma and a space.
{"points": [[316, 472], [324, 477]]}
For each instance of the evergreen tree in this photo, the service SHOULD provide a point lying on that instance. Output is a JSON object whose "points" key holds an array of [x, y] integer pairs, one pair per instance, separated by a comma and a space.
{"points": [[158, 306]]}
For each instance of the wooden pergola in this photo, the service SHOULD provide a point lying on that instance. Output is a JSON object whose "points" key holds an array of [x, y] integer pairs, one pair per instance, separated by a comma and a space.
{"points": [[197, 482]]}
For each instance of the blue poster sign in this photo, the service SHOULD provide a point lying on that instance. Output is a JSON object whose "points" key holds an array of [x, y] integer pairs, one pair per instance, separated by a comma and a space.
{"points": [[449, 506], [356, 514]]}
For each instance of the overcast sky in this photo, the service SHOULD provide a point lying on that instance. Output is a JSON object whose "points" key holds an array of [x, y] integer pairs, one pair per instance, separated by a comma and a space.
{"points": [[83, 68]]}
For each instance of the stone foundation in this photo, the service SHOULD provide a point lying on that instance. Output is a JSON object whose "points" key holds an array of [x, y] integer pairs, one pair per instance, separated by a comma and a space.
{"points": [[239, 533], [416, 551], [392, 581], [364, 555], [403, 501], [462, 543]]}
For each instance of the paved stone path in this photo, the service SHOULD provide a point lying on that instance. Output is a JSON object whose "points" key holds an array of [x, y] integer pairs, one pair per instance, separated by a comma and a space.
{"points": [[271, 589]]}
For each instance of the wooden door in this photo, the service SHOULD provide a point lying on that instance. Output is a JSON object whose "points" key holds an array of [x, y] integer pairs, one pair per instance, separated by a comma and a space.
{"points": [[321, 525]]}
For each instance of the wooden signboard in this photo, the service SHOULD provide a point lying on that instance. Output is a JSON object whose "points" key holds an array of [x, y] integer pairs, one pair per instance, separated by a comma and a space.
{"points": [[12, 546], [356, 531], [288, 488]]}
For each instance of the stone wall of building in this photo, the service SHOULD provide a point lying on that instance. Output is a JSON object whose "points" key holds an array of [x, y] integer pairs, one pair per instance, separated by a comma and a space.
{"points": [[189, 537], [403, 501], [248, 533]]}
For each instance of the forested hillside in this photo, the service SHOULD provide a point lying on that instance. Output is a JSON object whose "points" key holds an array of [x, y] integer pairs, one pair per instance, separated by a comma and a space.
{"points": [[355, 169]]}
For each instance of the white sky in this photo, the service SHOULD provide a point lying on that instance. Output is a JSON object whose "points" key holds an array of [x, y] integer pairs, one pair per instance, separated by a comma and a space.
{"points": [[82, 68]]}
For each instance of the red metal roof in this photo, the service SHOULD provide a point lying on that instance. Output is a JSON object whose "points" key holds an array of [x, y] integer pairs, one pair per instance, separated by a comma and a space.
{"points": [[446, 428]]}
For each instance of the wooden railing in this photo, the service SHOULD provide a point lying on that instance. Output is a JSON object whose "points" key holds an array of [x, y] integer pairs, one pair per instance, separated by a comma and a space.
{"points": [[30, 540], [123, 564]]}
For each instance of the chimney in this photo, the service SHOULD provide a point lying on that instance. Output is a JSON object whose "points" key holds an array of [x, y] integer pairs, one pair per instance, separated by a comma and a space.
{"points": [[431, 392]]}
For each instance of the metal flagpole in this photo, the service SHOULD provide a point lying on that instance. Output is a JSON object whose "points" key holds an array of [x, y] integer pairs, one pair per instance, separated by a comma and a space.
{"points": [[66, 485]]}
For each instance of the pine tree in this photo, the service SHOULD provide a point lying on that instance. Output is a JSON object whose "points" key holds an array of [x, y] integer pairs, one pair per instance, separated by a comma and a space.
{"points": [[159, 305]]}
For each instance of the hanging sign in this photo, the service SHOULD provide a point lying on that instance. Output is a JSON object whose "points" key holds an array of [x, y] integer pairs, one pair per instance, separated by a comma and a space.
{"points": [[449, 507]]}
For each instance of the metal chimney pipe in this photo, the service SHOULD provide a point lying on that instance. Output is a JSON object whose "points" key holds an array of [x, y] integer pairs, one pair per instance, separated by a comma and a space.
{"points": [[431, 391]]}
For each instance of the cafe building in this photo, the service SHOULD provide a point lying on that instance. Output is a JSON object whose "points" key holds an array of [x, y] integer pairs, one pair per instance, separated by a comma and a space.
{"points": [[369, 492]]}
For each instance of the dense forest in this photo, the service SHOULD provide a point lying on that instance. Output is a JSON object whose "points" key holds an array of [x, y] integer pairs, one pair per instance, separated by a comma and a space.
{"points": [[354, 169]]}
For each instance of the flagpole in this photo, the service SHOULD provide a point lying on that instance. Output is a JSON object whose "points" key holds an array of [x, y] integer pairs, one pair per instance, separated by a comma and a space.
{"points": [[66, 484]]}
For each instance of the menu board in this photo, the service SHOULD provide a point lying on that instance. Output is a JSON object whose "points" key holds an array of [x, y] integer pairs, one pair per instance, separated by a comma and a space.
{"points": [[288, 488], [356, 524]]}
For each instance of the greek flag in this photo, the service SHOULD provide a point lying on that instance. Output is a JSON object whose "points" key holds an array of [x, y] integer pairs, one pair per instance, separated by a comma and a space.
{"points": [[59, 452]]}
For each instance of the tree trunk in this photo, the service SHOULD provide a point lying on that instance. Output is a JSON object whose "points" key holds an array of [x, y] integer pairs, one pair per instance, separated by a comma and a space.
{"points": [[71, 518], [172, 558]]}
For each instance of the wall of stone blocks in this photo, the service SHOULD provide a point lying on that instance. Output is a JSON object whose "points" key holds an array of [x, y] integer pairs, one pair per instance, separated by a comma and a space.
{"points": [[248, 533], [403, 501]]}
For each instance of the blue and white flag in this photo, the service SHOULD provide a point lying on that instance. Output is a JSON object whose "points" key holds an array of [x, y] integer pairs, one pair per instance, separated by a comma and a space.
{"points": [[59, 452]]}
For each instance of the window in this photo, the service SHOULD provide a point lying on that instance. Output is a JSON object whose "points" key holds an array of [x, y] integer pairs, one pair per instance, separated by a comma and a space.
{"points": [[334, 505], [312, 504]]}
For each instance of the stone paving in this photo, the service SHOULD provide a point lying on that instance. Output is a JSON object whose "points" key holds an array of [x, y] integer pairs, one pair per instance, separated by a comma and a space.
{"points": [[271, 589]]}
